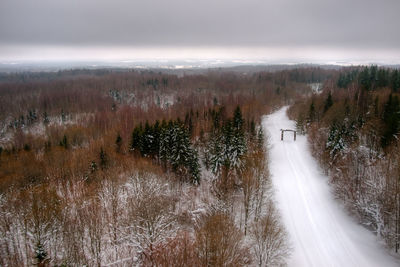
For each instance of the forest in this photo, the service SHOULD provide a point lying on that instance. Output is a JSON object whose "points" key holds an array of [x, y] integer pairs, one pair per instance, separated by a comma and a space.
{"points": [[130, 167], [140, 167], [353, 128]]}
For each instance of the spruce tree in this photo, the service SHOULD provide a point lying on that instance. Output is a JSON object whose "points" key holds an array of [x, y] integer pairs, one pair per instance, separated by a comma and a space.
{"points": [[64, 142], [103, 159], [335, 142], [238, 119], [228, 149], [260, 138], [395, 81], [147, 140], [252, 129], [118, 143], [46, 119], [63, 116], [365, 79], [176, 150], [238, 142], [136, 139], [328, 102], [194, 167], [300, 124], [93, 167], [228, 145], [216, 152], [391, 119], [311, 114], [155, 147], [40, 254]]}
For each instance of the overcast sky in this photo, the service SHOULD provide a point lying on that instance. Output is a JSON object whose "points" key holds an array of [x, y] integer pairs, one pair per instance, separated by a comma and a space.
{"points": [[265, 29]]}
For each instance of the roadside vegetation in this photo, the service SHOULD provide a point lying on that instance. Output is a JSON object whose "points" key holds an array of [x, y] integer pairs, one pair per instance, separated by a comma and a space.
{"points": [[353, 129]]}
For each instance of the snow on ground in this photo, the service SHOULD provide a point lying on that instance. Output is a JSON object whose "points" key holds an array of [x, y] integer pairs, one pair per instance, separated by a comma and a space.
{"points": [[316, 87], [320, 231]]}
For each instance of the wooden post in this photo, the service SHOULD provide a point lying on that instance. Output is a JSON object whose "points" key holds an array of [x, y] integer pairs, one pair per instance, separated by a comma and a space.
{"points": [[283, 131]]}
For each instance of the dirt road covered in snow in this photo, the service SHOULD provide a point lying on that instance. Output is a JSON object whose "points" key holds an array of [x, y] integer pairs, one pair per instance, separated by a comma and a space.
{"points": [[320, 231]]}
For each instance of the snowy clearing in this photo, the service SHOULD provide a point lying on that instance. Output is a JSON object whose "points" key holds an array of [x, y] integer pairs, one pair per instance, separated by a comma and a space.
{"points": [[320, 231]]}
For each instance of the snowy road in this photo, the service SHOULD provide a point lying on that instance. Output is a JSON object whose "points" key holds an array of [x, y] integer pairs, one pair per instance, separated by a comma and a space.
{"points": [[320, 232]]}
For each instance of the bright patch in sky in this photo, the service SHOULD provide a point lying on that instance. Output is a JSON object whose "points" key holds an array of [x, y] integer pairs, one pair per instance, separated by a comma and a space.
{"points": [[239, 55]]}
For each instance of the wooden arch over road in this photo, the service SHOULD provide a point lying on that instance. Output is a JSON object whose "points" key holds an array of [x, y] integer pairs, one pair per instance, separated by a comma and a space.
{"points": [[288, 130]]}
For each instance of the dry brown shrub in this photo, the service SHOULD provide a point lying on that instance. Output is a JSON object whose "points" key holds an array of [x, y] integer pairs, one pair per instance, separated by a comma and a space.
{"points": [[179, 251], [220, 243]]}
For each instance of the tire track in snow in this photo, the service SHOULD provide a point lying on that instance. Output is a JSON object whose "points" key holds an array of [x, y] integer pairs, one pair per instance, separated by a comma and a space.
{"points": [[321, 233]]}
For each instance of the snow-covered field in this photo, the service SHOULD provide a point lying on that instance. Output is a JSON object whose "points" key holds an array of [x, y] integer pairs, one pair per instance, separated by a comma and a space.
{"points": [[320, 231]]}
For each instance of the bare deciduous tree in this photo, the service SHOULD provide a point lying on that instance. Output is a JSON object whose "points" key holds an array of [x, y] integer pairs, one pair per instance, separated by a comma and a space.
{"points": [[150, 217], [270, 240], [220, 243]]}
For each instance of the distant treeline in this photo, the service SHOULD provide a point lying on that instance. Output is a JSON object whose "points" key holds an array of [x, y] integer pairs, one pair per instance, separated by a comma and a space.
{"points": [[371, 78]]}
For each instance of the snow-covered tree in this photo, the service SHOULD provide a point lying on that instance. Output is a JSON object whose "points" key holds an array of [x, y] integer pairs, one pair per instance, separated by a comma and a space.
{"points": [[228, 145], [176, 150], [270, 239], [40, 255], [150, 219]]}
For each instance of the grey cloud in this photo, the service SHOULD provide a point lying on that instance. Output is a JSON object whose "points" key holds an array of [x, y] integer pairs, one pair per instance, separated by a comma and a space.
{"points": [[340, 23]]}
